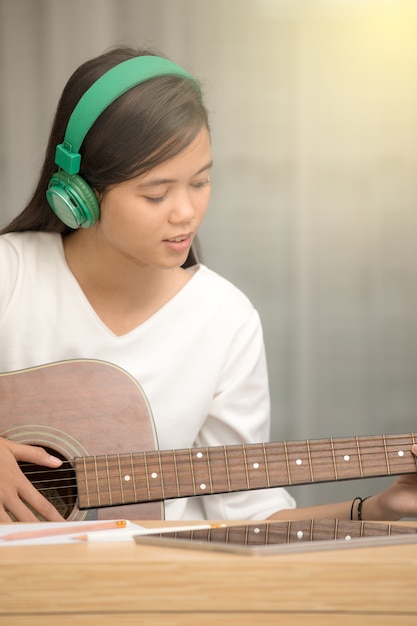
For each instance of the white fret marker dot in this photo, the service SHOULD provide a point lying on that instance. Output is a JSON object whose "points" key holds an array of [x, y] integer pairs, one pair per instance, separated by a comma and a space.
{"points": [[199, 455], [299, 462], [154, 475], [346, 457], [401, 453], [256, 531], [255, 465], [300, 534], [202, 486], [348, 537], [127, 478]]}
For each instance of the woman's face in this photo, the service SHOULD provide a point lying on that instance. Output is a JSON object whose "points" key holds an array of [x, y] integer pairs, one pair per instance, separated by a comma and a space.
{"points": [[152, 220]]}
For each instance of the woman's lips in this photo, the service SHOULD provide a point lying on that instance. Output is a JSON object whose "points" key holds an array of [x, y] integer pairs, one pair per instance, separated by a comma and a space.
{"points": [[179, 243]]}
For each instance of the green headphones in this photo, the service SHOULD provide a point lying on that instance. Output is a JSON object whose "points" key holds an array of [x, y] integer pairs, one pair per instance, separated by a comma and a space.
{"points": [[70, 197]]}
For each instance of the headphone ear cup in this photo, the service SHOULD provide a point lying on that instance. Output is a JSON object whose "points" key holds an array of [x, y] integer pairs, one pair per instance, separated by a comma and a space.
{"points": [[72, 200]]}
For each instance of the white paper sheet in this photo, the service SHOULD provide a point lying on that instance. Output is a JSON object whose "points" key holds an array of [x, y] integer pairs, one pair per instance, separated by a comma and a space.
{"points": [[74, 530], [82, 532]]}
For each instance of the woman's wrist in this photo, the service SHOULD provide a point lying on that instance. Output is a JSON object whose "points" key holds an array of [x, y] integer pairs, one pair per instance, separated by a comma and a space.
{"points": [[370, 509], [356, 509]]}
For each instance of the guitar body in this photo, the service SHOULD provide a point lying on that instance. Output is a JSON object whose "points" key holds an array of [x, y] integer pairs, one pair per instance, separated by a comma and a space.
{"points": [[77, 408]]}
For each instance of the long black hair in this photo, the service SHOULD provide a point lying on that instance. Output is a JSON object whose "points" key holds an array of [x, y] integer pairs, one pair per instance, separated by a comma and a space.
{"points": [[148, 125]]}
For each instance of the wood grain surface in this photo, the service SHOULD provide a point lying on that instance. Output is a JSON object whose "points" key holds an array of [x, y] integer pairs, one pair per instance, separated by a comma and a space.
{"points": [[135, 584]]}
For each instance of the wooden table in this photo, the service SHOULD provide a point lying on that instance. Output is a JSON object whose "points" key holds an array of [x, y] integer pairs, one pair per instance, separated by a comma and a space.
{"points": [[125, 583]]}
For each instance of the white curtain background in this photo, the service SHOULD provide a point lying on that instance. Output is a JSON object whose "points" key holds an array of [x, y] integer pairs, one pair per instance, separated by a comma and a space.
{"points": [[314, 207]]}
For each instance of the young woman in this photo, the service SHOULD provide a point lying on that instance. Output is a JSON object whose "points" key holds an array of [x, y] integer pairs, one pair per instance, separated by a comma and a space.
{"points": [[101, 265]]}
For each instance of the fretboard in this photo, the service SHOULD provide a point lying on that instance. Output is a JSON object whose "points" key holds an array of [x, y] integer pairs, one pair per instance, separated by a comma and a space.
{"points": [[109, 480]]}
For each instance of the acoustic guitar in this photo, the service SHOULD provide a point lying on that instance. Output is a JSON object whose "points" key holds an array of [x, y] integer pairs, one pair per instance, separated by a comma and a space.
{"points": [[96, 418]]}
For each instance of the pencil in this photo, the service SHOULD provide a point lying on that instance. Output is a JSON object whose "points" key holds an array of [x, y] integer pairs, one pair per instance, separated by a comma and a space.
{"points": [[104, 537], [64, 530]]}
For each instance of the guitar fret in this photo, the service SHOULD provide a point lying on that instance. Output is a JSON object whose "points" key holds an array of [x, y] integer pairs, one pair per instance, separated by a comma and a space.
{"points": [[209, 470], [120, 478], [161, 475], [108, 479], [148, 489], [97, 483], [134, 481], [245, 462], [333, 459], [268, 484], [309, 461], [117, 492], [128, 483], [359, 457], [287, 462], [386, 454], [267, 534], [226, 460], [87, 493], [192, 472], [176, 472], [288, 532], [336, 528]]}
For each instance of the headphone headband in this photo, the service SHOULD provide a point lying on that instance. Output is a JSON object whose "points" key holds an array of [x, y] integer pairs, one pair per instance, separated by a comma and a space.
{"points": [[101, 94]]}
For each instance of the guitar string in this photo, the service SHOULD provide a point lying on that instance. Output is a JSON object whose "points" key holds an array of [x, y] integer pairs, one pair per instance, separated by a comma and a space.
{"points": [[364, 456], [159, 454]]}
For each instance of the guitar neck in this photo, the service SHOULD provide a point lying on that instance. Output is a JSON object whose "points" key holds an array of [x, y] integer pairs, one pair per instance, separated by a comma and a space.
{"points": [[109, 480]]}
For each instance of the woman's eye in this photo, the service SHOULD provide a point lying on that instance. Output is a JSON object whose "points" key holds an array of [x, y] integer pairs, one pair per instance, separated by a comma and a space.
{"points": [[201, 183], [155, 199]]}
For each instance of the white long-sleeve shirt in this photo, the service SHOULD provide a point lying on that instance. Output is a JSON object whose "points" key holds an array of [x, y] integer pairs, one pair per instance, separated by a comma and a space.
{"points": [[200, 359]]}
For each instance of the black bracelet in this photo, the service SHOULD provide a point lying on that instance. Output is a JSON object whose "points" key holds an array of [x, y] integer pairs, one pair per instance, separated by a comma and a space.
{"points": [[353, 504], [361, 501], [360, 507]]}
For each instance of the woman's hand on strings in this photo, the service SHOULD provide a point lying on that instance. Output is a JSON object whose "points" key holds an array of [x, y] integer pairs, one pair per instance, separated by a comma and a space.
{"points": [[18, 497]]}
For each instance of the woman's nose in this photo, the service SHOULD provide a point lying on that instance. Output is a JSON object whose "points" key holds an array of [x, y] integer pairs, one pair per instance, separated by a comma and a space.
{"points": [[183, 209]]}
